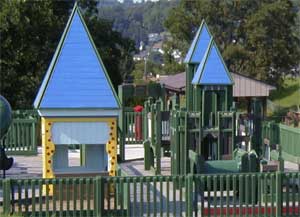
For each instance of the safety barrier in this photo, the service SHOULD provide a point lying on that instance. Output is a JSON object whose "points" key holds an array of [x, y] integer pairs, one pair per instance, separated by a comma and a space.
{"points": [[286, 136], [22, 137], [133, 122], [266, 194]]}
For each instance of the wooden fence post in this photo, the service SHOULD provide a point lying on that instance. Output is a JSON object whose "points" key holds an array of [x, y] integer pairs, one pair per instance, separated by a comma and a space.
{"points": [[6, 196], [189, 194], [99, 196], [279, 193]]}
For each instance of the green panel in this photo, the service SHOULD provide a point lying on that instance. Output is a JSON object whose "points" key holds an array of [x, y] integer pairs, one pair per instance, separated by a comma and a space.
{"points": [[140, 90], [154, 90]]}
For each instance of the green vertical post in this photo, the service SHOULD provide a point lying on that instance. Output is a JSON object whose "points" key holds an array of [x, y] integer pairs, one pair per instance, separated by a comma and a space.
{"points": [[99, 196], [189, 194], [147, 155], [6, 196], [219, 137], [33, 136], [203, 106], [158, 136], [163, 98], [122, 124], [189, 88], [278, 194]]}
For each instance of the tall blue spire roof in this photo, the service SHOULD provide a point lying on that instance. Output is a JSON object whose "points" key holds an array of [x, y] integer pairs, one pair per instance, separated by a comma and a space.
{"points": [[199, 45], [212, 69], [76, 77]]}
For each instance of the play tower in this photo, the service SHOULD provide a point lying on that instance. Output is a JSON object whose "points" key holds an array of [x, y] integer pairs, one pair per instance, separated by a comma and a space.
{"points": [[209, 91], [78, 106]]}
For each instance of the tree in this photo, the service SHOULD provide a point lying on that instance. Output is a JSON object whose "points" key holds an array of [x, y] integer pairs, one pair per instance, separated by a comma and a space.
{"points": [[254, 37], [30, 31]]}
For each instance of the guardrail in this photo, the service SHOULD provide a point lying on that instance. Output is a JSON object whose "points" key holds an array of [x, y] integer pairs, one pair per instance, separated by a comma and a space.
{"points": [[286, 136], [266, 194], [22, 137]]}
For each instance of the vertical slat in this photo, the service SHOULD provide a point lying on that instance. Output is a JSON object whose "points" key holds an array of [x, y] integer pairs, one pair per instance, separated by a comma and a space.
{"points": [[208, 193], [203, 186], [227, 194], [61, 199], [161, 205], [168, 197], [141, 197], [247, 193], [40, 184], [253, 196], [26, 186], [259, 193], [154, 196], [174, 195], [33, 196], [81, 196], [287, 195], [74, 185], [180, 195], [221, 193], [115, 198], [215, 185], [54, 182], [128, 198], [88, 195], [241, 192], [134, 213], [19, 196], [148, 197], [272, 191], [47, 197], [234, 195], [68, 196], [293, 193], [266, 194], [109, 182]]}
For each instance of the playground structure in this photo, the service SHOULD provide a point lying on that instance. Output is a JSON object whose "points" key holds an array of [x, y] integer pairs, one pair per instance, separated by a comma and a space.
{"points": [[206, 132], [215, 152], [78, 106]]}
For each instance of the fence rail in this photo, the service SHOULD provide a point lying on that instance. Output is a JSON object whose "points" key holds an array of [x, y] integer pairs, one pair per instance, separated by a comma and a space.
{"points": [[252, 194]]}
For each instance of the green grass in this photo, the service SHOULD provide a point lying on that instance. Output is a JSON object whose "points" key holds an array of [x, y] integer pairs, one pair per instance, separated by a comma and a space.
{"points": [[287, 96]]}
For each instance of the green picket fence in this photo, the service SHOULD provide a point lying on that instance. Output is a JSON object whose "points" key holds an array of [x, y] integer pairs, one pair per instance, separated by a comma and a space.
{"points": [[253, 194], [23, 135]]}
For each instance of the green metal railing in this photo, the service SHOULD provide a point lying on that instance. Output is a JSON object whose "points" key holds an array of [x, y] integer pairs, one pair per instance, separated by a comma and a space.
{"points": [[250, 194], [22, 136]]}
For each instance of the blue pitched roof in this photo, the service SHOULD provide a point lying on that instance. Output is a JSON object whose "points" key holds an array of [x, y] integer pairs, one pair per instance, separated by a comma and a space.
{"points": [[212, 69], [76, 77], [199, 45]]}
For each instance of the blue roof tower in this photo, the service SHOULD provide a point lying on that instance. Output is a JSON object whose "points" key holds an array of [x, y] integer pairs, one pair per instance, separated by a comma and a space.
{"points": [[199, 45], [76, 77], [212, 69]]}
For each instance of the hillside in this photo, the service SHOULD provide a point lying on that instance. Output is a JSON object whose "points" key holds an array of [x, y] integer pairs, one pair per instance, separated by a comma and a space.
{"points": [[136, 21]]}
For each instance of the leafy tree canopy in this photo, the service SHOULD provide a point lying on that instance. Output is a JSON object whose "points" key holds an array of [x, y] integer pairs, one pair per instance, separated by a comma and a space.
{"points": [[30, 31], [256, 38]]}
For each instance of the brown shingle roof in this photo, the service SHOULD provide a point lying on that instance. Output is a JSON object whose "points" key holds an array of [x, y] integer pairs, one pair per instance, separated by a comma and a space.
{"points": [[243, 85]]}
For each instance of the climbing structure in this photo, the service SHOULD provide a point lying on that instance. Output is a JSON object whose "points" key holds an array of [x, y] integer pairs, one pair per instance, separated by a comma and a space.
{"points": [[209, 86], [78, 106]]}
